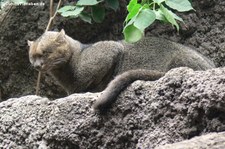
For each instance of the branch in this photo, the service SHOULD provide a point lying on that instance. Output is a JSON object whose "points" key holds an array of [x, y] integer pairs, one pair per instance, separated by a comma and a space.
{"points": [[38, 82], [52, 17], [47, 28], [51, 9]]}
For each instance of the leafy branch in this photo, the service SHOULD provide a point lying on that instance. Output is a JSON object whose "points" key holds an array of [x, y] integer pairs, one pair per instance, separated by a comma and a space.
{"points": [[140, 14], [89, 10]]}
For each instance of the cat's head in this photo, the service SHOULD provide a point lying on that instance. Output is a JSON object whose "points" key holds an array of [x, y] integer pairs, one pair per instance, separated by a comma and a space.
{"points": [[49, 51]]}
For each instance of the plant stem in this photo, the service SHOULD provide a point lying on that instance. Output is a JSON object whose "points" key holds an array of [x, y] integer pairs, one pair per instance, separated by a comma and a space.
{"points": [[52, 17], [38, 83], [47, 28]]}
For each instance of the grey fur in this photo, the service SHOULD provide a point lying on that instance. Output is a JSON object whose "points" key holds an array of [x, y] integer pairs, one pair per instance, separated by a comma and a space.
{"points": [[120, 83]]}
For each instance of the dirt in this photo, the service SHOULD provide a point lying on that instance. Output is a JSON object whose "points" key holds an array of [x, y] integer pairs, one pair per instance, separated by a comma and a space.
{"points": [[204, 31]]}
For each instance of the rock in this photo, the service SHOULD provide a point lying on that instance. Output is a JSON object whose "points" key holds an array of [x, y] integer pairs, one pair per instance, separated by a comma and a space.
{"points": [[179, 106], [209, 141]]}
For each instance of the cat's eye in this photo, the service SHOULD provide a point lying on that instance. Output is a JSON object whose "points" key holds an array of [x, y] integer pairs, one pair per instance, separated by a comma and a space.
{"points": [[38, 55]]}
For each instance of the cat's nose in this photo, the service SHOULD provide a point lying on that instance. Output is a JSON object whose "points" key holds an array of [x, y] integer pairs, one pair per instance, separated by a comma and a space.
{"points": [[38, 67], [38, 64]]}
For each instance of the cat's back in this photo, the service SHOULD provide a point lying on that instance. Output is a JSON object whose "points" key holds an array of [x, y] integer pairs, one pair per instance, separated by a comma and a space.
{"points": [[157, 54], [148, 53]]}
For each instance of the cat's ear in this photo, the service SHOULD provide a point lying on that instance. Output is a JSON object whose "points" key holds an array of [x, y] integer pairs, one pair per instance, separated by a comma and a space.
{"points": [[29, 42], [62, 32], [61, 36]]}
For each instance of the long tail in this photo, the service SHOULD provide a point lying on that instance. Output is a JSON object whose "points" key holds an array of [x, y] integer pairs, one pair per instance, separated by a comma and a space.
{"points": [[116, 86]]}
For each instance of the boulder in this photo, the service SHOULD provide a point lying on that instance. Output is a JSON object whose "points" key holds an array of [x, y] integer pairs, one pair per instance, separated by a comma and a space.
{"points": [[209, 141], [179, 106]]}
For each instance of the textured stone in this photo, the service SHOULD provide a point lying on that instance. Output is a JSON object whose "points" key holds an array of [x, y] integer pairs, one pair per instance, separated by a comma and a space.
{"points": [[209, 141], [179, 106]]}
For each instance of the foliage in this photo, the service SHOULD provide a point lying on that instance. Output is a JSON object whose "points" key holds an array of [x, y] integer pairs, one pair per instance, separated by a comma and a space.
{"points": [[140, 14], [89, 10]]}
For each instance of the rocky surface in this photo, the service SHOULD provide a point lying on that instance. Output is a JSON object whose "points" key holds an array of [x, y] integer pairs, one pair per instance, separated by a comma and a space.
{"points": [[179, 106], [209, 141]]}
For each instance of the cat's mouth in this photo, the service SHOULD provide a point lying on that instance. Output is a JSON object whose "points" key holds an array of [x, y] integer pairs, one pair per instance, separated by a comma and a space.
{"points": [[43, 68], [48, 66]]}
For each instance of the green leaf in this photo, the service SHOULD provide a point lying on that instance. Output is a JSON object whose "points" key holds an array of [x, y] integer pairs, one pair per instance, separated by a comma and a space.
{"points": [[169, 17], [66, 8], [87, 2], [176, 17], [160, 16], [145, 6], [145, 18], [132, 34], [85, 17], [131, 5], [179, 5], [133, 12], [74, 12], [130, 22], [114, 4], [98, 13]]}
